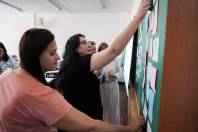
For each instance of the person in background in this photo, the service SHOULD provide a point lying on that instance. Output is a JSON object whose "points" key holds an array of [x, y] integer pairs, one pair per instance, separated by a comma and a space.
{"points": [[93, 46], [15, 58], [76, 79], [110, 90], [1, 71], [99, 71], [29, 104], [121, 79], [5, 61]]}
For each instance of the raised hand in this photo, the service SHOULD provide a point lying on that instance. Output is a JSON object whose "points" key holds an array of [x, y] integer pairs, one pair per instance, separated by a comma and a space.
{"points": [[144, 6]]}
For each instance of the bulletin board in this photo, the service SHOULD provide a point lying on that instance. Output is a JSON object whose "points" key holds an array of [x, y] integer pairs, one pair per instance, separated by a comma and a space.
{"points": [[149, 63]]}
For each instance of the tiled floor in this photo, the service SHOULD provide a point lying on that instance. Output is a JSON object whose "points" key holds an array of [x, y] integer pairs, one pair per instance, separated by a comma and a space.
{"points": [[123, 106]]}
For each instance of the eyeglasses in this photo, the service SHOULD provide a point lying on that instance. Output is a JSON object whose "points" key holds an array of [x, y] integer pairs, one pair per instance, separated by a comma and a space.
{"points": [[85, 42]]}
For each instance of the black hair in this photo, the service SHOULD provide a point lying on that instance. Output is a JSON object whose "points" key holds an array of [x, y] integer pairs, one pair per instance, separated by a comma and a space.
{"points": [[5, 56], [72, 43]]}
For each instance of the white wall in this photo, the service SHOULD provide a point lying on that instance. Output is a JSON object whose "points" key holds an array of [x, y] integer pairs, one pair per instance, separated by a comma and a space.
{"points": [[98, 27], [12, 27]]}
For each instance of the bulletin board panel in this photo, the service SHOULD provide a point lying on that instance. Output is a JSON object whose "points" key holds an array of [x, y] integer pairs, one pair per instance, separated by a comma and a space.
{"points": [[147, 83]]}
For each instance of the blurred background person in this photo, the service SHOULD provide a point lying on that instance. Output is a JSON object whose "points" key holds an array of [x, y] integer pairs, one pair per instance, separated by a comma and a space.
{"points": [[5, 61], [110, 90], [93, 46], [15, 58]]}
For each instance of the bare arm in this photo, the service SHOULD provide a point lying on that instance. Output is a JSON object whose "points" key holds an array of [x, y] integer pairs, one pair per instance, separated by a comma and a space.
{"points": [[79, 122], [100, 59]]}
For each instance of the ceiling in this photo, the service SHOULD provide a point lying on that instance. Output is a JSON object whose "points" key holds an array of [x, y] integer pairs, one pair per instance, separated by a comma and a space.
{"points": [[70, 6]]}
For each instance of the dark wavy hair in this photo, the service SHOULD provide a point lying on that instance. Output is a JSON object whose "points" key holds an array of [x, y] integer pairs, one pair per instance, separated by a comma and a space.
{"points": [[5, 56], [72, 43], [33, 42]]}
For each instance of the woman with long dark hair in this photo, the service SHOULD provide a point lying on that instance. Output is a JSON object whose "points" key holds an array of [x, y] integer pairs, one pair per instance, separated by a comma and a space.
{"points": [[5, 61], [79, 85]]}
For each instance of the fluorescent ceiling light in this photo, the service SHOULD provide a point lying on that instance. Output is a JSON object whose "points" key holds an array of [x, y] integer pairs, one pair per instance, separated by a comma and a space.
{"points": [[10, 5], [59, 5]]}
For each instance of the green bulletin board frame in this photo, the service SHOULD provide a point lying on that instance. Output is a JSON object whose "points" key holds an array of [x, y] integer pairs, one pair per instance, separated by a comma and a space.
{"points": [[161, 31]]}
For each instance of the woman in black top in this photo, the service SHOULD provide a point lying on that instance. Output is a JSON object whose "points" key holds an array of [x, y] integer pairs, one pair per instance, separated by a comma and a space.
{"points": [[76, 80], [79, 85]]}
